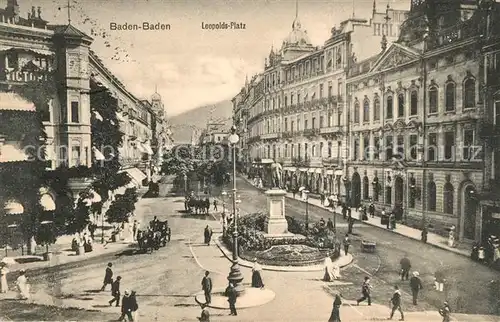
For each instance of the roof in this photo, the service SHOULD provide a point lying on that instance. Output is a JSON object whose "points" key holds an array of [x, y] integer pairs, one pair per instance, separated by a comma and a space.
{"points": [[69, 30]]}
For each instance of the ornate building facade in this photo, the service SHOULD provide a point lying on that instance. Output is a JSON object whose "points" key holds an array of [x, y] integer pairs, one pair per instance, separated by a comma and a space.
{"points": [[415, 112]]}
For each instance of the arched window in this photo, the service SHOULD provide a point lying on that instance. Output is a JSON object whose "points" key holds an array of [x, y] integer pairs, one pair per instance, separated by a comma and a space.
{"points": [[376, 109], [268, 152], [431, 196], [450, 96], [314, 150], [413, 103], [401, 105], [448, 198], [366, 110], [389, 107], [433, 99], [366, 188], [356, 112], [469, 93]]}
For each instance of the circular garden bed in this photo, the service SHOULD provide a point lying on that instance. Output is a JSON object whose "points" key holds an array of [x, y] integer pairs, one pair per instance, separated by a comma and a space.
{"points": [[286, 255]]}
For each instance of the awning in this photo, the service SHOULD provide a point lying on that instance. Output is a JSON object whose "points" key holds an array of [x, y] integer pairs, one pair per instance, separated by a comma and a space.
{"points": [[47, 202], [121, 190], [293, 169], [136, 175], [11, 153], [14, 102], [319, 170], [311, 170], [303, 169], [267, 161], [339, 172], [43, 52], [13, 207], [329, 172]]}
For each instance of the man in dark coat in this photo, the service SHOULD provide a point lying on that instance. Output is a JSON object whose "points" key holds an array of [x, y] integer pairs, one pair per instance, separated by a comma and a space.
{"points": [[371, 210], [346, 243], [335, 316], [329, 224], [115, 292], [396, 303], [231, 298], [206, 286], [405, 267], [416, 286], [208, 235], [108, 277], [215, 205], [366, 289], [126, 307]]}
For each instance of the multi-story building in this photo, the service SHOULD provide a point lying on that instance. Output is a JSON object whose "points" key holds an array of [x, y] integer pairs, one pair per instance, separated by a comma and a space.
{"points": [[302, 122], [215, 133], [414, 119]]}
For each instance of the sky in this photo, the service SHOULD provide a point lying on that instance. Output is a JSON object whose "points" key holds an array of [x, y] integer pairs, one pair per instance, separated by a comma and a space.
{"points": [[192, 67]]}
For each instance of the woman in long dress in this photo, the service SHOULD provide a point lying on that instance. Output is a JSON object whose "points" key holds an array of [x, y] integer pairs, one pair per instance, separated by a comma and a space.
{"points": [[336, 271], [256, 277], [328, 269], [23, 286], [3, 278], [335, 316]]}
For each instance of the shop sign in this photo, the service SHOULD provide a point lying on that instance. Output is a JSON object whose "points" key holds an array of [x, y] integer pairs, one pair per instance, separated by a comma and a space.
{"points": [[26, 76]]}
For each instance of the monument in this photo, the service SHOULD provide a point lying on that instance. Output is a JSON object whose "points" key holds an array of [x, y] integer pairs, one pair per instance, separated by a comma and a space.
{"points": [[276, 225]]}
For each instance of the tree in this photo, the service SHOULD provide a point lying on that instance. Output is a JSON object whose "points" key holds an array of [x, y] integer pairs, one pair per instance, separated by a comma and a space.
{"points": [[122, 207]]}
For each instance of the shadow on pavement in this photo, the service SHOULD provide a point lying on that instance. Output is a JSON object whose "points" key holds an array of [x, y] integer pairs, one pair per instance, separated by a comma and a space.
{"points": [[92, 291]]}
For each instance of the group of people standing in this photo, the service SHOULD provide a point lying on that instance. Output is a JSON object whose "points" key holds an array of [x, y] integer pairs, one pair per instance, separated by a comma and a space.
{"points": [[129, 305], [23, 288]]}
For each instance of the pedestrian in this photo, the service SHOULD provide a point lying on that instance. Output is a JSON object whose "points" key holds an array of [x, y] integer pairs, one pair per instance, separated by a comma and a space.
{"points": [[350, 224], [439, 280], [392, 220], [366, 292], [126, 307], [215, 204], [115, 292], [4, 287], [92, 228], [208, 235], [396, 303], [445, 312], [23, 286], [135, 229], [416, 286], [231, 298], [328, 276], [344, 211], [108, 277], [424, 235], [329, 224], [256, 275], [322, 198], [335, 315], [347, 243], [134, 305], [371, 210], [205, 314], [206, 286], [293, 193], [405, 267]]}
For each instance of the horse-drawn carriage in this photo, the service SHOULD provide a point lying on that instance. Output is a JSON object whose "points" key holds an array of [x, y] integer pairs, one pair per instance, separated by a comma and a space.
{"points": [[196, 205], [157, 235]]}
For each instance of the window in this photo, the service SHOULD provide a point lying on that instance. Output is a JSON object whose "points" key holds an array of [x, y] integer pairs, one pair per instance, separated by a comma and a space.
{"points": [[286, 124], [293, 151], [450, 97], [366, 111], [468, 150], [75, 155], [433, 100], [413, 192], [431, 196], [448, 198], [313, 123], [286, 150], [356, 149], [413, 147], [298, 98], [366, 188], [376, 30], [388, 148], [388, 195], [413, 103], [469, 93], [306, 124], [356, 112], [321, 121], [305, 150], [321, 147], [292, 126], [320, 90], [330, 89], [432, 147], [376, 109], [45, 113], [314, 152], [449, 144], [329, 149], [75, 112], [401, 105], [286, 101], [366, 148], [389, 107], [340, 88], [376, 148], [291, 99], [400, 148]]}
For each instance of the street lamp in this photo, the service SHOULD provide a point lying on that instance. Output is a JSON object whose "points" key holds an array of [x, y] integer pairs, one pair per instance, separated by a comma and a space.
{"points": [[305, 194], [224, 219]]}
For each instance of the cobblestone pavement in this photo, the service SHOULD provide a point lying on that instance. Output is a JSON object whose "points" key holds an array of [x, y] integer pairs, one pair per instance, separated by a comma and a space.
{"points": [[167, 280]]}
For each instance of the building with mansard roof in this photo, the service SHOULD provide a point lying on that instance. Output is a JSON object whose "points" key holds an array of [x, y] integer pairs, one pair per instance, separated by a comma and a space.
{"points": [[415, 111]]}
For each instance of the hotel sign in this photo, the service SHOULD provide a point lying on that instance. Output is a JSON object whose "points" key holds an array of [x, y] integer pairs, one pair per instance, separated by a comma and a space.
{"points": [[26, 76]]}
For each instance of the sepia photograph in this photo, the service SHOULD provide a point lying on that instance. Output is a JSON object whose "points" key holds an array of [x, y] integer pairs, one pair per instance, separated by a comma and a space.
{"points": [[250, 160]]}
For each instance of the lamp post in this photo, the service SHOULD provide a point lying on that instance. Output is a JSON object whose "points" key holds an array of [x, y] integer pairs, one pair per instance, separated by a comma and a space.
{"points": [[185, 183], [224, 219], [305, 196], [235, 276]]}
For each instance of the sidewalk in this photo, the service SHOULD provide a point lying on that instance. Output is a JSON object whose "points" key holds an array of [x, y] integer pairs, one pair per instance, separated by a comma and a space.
{"points": [[432, 239]]}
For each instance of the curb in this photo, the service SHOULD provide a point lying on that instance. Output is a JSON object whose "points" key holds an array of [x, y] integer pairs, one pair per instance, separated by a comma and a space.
{"points": [[314, 268], [456, 251]]}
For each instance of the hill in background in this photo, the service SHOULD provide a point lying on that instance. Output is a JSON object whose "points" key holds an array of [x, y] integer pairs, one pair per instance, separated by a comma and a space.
{"points": [[182, 124]]}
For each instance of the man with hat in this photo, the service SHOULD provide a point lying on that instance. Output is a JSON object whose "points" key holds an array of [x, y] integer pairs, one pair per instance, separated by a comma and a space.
{"points": [[416, 286], [445, 312], [126, 307]]}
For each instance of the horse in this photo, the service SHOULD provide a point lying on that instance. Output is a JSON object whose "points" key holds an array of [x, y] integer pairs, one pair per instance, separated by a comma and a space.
{"points": [[145, 241]]}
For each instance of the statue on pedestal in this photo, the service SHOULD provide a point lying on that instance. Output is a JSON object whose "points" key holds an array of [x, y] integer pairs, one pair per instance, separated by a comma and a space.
{"points": [[277, 175]]}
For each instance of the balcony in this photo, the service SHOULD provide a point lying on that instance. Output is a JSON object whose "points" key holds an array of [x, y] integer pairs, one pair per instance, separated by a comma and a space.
{"points": [[270, 136], [331, 129], [300, 162], [311, 132], [332, 162]]}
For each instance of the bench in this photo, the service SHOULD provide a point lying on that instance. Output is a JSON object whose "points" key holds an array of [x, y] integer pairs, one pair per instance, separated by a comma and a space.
{"points": [[368, 246]]}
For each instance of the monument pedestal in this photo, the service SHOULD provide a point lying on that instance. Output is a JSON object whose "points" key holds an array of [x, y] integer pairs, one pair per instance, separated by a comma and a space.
{"points": [[276, 225]]}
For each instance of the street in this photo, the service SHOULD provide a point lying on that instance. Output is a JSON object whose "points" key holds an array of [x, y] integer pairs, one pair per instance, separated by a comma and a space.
{"points": [[167, 280]]}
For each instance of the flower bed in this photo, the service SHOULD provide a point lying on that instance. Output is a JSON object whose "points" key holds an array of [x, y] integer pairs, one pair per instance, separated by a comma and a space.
{"points": [[289, 251]]}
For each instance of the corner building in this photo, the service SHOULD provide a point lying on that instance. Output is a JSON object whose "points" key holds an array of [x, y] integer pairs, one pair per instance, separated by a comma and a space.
{"points": [[415, 111]]}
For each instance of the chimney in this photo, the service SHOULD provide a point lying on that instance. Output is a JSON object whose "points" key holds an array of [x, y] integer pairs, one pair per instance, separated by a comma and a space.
{"points": [[29, 15], [39, 11], [33, 12]]}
